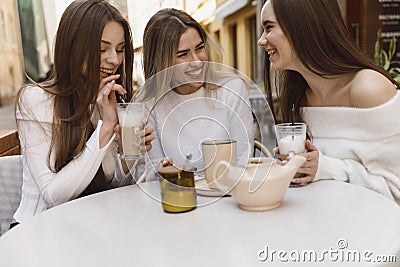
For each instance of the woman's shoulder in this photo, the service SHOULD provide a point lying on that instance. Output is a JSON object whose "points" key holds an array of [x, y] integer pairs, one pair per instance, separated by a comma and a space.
{"points": [[369, 88], [35, 103], [233, 81], [235, 85], [34, 93]]}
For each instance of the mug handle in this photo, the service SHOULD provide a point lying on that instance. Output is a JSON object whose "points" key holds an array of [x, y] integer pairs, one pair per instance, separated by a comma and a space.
{"points": [[221, 187]]}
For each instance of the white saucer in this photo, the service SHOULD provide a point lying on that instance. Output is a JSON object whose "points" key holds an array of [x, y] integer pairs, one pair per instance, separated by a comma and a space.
{"points": [[202, 189]]}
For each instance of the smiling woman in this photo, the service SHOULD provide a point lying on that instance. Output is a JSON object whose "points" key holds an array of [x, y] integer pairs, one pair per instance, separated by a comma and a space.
{"points": [[67, 124], [348, 102], [189, 73], [189, 100], [112, 48]]}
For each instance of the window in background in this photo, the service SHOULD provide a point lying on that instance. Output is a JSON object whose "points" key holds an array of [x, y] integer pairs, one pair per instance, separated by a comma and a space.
{"points": [[252, 30], [233, 38]]}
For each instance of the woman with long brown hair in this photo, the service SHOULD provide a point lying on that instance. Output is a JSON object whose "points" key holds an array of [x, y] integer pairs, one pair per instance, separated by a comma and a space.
{"points": [[67, 124], [348, 102]]}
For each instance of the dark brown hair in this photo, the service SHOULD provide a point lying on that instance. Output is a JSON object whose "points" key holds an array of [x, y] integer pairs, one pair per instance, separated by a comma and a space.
{"points": [[76, 78], [321, 41]]}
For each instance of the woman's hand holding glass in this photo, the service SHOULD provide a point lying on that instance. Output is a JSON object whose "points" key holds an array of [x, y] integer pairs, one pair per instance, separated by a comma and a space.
{"points": [[147, 136], [309, 168]]}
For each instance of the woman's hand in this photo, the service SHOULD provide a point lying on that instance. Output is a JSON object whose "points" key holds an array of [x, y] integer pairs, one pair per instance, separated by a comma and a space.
{"points": [[165, 162], [309, 168], [117, 130], [106, 101], [147, 135]]}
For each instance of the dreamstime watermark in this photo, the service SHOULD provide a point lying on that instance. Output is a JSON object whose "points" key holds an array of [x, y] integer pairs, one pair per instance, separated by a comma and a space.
{"points": [[340, 253]]}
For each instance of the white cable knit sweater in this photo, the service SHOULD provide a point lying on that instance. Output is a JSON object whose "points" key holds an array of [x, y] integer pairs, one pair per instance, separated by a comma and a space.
{"points": [[359, 146]]}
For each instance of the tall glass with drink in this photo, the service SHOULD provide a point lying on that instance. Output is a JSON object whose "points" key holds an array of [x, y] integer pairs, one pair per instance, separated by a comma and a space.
{"points": [[130, 117], [291, 139]]}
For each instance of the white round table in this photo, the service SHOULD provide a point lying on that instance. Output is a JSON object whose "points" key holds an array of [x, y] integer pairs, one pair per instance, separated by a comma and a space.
{"points": [[327, 222]]}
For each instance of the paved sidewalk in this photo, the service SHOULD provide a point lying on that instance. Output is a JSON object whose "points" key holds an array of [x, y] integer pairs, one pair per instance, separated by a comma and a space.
{"points": [[7, 119]]}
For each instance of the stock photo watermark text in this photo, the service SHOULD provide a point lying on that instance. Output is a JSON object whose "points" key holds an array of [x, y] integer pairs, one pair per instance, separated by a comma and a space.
{"points": [[340, 253]]}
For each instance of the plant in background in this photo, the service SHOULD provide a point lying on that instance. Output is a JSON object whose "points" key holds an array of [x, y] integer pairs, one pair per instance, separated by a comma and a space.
{"points": [[384, 59]]}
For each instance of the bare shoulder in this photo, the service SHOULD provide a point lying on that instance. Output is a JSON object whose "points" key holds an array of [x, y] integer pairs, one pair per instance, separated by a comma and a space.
{"points": [[370, 88]]}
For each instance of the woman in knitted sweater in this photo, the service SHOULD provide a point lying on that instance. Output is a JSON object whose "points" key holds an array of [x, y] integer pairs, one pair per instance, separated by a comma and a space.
{"points": [[350, 104]]}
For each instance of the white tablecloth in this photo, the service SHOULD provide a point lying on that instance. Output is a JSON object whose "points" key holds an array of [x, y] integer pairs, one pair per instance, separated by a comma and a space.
{"points": [[329, 222]]}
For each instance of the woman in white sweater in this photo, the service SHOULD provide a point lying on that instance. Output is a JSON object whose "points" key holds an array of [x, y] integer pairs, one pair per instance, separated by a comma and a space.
{"points": [[67, 124], [350, 104], [188, 99]]}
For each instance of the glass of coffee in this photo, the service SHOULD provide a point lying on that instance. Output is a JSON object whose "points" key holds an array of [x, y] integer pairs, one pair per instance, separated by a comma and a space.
{"points": [[130, 117], [177, 189]]}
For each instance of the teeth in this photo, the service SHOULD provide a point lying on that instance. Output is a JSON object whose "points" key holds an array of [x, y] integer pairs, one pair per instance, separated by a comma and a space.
{"points": [[106, 71], [194, 72], [272, 51]]}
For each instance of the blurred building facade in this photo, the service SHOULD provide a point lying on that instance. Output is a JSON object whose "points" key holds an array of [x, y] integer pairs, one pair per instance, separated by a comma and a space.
{"points": [[236, 27], [11, 67], [34, 39], [28, 27]]}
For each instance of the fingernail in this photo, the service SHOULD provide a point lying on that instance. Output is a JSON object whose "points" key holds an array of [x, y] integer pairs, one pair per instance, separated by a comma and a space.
{"points": [[293, 180]]}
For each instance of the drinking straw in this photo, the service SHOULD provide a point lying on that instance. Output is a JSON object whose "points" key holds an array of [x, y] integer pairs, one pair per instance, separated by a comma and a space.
{"points": [[120, 98], [293, 122], [293, 115]]}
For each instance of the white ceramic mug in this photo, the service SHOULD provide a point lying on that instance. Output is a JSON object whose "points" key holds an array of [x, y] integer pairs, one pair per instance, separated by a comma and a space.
{"points": [[214, 151]]}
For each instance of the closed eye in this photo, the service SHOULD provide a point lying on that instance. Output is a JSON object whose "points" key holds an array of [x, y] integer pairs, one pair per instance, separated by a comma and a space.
{"points": [[200, 47], [180, 55]]}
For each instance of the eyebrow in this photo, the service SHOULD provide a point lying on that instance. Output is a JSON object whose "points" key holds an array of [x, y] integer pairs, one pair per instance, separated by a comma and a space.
{"points": [[265, 22], [187, 50], [109, 43]]}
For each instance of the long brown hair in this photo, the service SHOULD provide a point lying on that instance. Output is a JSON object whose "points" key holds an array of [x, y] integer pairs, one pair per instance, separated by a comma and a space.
{"points": [[319, 37], [76, 77]]}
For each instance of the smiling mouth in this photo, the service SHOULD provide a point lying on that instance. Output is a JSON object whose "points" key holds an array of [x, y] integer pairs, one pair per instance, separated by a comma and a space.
{"points": [[106, 72], [195, 73], [271, 52]]}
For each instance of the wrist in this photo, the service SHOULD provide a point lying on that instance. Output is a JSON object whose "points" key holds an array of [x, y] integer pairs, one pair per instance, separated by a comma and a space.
{"points": [[106, 132], [108, 127]]}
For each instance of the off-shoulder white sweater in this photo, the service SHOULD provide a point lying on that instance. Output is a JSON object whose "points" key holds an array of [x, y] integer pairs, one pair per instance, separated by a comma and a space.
{"points": [[359, 146]]}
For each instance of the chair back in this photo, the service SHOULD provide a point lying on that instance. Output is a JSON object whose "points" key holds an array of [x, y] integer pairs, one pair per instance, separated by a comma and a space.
{"points": [[262, 149], [10, 189]]}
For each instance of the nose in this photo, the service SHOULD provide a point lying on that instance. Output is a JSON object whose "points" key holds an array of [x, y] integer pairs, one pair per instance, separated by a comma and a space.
{"points": [[112, 57], [262, 41], [196, 61]]}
